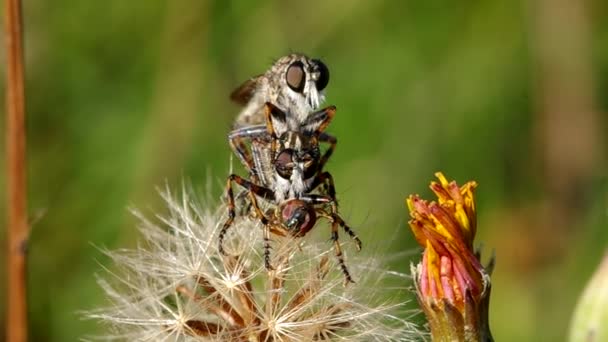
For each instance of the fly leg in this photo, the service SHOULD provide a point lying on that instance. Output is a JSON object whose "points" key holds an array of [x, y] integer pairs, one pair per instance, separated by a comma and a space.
{"points": [[266, 224], [253, 189], [317, 122], [338, 250], [326, 179], [332, 141]]}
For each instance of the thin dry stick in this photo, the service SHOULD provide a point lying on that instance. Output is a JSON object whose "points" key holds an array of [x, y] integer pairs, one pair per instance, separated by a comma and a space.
{"points": [[16, 179]]}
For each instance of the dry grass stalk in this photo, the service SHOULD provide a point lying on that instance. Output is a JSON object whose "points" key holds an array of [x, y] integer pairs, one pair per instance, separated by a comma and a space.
{"points": [[17, 227]]}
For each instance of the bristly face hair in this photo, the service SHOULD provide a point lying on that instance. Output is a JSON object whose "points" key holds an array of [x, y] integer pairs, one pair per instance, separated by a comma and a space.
{"points": [[294, 84]]}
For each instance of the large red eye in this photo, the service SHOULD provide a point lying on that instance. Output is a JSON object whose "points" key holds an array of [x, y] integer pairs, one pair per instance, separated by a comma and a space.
{"points": [[296, 77], [298, 217]]}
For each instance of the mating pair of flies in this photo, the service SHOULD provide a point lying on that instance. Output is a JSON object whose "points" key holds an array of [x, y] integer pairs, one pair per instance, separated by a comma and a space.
{"points": [[277, 137]]}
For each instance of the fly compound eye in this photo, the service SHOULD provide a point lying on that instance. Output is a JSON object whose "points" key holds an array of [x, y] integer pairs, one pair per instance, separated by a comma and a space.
{"points": [[295, 77], [308, 162], [284, 163], [323, 79], [310, 165], [298, 217]]}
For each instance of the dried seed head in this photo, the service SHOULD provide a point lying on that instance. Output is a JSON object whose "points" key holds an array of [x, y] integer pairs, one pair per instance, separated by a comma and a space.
{"points": [[177, 286]]}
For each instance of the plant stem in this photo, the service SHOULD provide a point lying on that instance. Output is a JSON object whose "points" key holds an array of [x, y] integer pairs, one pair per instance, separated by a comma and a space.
{"points": [[17, 228]]}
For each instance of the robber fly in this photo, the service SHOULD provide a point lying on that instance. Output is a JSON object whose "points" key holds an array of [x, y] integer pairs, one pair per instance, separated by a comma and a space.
{"points": [[295, 83], [261, 148], [290, 172]]}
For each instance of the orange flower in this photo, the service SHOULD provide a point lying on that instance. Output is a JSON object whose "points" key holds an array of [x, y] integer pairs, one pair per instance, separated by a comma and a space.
{"points": [[452, 285]]}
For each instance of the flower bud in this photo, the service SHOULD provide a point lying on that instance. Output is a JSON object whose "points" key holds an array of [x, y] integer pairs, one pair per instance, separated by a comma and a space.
{"points": [[452, 286]]}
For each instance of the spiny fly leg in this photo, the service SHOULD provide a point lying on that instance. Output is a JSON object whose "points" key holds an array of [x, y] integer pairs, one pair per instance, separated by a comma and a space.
{"points": [[265, 222], [348, 230], [231, 214], [339, 255], [327, 180], [254, 190], [332, 141]]}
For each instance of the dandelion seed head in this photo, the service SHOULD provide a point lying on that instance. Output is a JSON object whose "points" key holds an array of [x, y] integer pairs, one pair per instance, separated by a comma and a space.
{"points": [[177, 286]]}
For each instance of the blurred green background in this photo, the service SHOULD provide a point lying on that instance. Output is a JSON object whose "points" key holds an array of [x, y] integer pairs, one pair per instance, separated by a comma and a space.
{"points": [[123, 95]]}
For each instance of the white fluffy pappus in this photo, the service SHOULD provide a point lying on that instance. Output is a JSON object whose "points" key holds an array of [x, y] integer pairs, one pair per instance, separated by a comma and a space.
{"points": [[176, 286]]}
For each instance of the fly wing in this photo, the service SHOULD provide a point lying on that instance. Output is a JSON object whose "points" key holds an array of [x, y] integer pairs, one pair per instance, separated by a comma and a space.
{"points": [[243, 93], [263, 161]]}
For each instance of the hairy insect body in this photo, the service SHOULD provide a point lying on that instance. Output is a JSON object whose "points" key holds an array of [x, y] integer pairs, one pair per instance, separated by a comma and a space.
{"points": [[288, 163], [295, 84], [277, 137], [294, 165]]}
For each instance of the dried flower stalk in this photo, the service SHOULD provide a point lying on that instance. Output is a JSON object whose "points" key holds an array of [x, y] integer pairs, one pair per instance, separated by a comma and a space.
{"points": [[16, 204]]}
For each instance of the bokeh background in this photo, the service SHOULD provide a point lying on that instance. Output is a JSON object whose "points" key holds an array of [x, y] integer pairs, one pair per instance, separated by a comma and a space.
{"points": [[125, 95]]}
